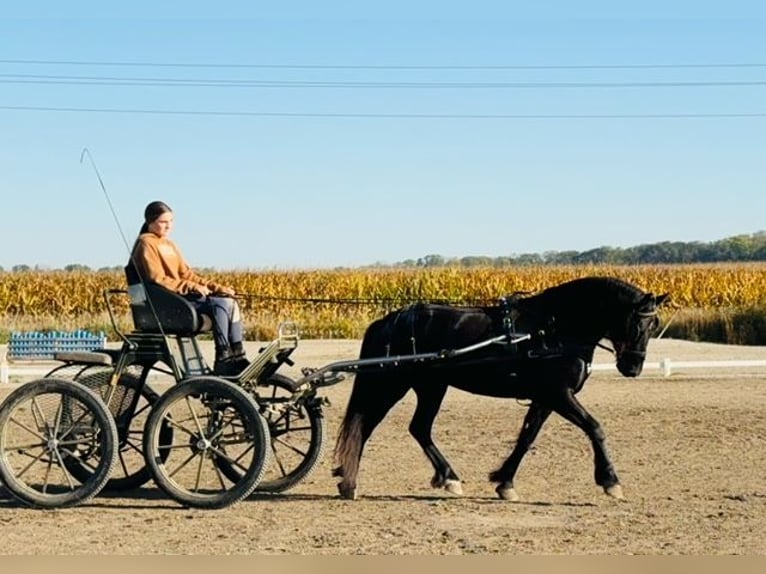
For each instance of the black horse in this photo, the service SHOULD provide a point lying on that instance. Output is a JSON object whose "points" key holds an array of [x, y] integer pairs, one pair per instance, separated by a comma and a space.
{"points": [[566, 323]]}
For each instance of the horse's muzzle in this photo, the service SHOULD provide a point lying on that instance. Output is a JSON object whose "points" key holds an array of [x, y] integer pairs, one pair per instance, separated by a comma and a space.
{"points": [[631, 363]]}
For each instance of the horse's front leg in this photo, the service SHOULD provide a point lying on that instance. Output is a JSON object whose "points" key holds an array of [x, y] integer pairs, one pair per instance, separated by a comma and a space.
{"points": [[430, 398], [604, 473], [533, 421]]}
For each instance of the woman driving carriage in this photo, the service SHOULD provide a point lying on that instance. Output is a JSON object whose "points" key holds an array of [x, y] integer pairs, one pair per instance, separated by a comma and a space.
{"points": [[158, 259]]}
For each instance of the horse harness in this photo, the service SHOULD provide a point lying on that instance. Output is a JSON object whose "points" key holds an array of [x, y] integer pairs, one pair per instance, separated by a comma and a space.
{"points": [[539, 343]]}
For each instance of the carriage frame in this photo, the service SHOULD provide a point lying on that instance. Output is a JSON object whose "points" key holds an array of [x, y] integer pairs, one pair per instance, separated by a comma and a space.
{"points": [[97, 421]]}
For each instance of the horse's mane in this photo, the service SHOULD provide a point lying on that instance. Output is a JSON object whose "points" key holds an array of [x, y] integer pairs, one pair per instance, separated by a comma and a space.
{"points": [[595, 287]]}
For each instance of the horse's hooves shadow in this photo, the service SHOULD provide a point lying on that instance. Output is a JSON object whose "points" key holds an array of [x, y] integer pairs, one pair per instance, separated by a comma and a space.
{"points": [[548, 504], [330, 497], [427, 498], [493, 500]]}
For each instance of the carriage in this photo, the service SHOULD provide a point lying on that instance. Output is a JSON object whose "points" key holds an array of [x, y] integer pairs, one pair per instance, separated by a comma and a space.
{"points": [[113, 419]]}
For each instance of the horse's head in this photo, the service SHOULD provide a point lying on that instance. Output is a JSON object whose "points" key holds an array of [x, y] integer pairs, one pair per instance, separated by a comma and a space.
{"points": [[577, 314], [631, 331]]}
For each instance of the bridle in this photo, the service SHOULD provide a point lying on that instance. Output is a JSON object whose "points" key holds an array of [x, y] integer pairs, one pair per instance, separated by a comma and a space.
{"points": [[635, 317]]}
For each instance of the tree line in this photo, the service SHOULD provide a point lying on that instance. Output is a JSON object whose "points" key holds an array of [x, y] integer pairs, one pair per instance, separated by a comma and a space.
{"points": [[738, 248]]}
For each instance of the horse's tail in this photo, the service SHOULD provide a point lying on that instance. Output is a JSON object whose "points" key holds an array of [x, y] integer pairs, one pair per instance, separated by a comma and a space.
{"points": [[363, 399], [348, 448]]}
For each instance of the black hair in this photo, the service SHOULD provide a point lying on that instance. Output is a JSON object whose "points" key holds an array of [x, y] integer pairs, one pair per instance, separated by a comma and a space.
{"points": [[152, 212]]}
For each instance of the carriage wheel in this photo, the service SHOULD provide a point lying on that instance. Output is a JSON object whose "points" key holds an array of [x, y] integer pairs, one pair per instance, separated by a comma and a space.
{"points": [[297, 431], [212, 420], [131, 470], [130, 402], [47, 428]]}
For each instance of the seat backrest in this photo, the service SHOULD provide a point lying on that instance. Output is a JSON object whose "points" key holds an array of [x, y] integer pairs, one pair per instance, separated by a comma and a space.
{"points": [[156, 309]]}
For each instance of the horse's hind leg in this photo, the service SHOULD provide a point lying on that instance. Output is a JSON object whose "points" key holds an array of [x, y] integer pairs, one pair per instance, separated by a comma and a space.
{"points": [[430, 398], [533, 421], [380, 394]]}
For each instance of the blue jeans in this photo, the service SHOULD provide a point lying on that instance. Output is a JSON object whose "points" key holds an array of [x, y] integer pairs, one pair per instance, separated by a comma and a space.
{"points": [[227, 320]]}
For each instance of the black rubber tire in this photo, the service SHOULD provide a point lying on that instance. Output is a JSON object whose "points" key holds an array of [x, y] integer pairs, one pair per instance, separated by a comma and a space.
{"points": [[130, 471], [212, 419], [75, 424], [297, 431]]}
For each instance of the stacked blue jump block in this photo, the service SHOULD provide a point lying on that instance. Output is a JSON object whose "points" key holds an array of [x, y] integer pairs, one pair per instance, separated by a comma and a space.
{"points": [[43, 345]]}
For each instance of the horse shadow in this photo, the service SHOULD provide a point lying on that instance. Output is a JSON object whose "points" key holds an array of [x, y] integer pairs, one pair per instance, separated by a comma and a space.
{"points": [[153, 497]]}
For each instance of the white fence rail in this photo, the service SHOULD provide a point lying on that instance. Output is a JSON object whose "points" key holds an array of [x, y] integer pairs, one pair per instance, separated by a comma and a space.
{"points": [[19, 373], [669, 366]]}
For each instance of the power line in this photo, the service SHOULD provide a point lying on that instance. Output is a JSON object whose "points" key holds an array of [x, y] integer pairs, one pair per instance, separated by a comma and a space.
{"points": [[387, 66], [228, 83], [388, 115]]}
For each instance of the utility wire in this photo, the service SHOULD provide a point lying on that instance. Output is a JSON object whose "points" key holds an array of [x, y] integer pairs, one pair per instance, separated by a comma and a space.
{"points": [[387, 66], [387, 115], [228, 83]]}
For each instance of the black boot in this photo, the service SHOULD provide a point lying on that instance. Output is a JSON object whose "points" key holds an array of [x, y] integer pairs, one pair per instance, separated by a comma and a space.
{"points": [[223, 360], [238, 354], [237, 349]]}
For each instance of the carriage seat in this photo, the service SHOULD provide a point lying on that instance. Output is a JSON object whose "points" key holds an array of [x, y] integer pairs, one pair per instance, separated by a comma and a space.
{"points": [[156, 309]]}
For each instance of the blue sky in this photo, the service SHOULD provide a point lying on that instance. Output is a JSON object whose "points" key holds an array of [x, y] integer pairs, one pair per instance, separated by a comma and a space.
{"points": [[321, 134]]}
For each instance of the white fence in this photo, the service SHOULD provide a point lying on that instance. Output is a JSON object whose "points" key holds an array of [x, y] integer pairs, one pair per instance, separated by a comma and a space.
{"points": [[669, 366], [18, 373]]}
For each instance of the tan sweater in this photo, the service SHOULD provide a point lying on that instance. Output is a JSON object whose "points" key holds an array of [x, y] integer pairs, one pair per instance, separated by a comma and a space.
{"points": [[160, 260]]}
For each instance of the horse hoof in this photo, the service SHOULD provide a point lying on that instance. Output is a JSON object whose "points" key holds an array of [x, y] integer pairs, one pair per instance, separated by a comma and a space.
{"points": [[615, 492], [453, 487], [507, 494], [347, 493]]}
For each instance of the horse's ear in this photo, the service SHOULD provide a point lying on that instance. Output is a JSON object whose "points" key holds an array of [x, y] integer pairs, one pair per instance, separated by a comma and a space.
{"points": [[661, 299]]}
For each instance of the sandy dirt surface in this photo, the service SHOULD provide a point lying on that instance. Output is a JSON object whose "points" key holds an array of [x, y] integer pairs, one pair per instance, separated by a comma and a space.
{"points": [[690, 450]]}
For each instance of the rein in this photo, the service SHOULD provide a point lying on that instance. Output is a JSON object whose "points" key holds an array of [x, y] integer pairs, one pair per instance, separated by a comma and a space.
{"points": [[641, 314], [252, 297], [606, 348], [379, 302], [505, 303]]}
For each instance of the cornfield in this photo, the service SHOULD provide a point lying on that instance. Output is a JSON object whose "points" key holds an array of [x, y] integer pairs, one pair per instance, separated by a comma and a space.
{"points": [[341, 303]]}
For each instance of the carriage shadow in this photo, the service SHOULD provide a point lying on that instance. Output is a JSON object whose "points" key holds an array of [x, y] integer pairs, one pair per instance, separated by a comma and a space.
{"points": [[151, 495], [424, 498], [156, 498]]}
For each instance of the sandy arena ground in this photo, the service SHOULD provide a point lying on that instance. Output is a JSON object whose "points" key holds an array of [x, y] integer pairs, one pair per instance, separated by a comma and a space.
{"points": [[690, 450]]}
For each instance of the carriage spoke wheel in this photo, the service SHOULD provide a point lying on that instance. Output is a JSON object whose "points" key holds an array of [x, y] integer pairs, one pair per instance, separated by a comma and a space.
{"points": [[131, 470], [47, 428], [297, 432], [213, 420], [129, 402]]}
